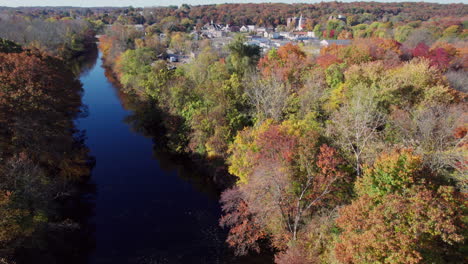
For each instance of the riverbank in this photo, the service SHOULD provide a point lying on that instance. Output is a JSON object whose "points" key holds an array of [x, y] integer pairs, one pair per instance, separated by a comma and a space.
{"points": [[45, 163], [152, 121], [148, 208]]}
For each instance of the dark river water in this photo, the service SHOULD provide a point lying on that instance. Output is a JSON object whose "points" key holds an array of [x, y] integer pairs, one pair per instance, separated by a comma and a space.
{"points": [[145, 211]]}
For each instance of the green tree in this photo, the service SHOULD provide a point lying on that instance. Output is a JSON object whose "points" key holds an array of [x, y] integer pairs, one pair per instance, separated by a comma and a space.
{"points": [[7, 46], [242, 56], [399, 217], [402, 32], [134, 68]]}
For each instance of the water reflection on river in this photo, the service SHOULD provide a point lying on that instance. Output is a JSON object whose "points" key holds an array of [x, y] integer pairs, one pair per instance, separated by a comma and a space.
{"points": [[147, 209]]}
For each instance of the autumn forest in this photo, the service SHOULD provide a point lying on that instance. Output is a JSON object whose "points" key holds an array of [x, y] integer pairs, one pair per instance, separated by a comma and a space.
{"points": [[323, 133]]}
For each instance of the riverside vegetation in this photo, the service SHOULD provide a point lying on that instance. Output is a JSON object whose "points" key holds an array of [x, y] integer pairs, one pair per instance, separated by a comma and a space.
{"points": [[43, 159], [353, 155], [356, 154]]}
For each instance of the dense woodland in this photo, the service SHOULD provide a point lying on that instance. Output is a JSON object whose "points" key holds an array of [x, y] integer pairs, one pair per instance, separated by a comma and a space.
{"points": [[66, 38], [353, 155], [43, 158]]}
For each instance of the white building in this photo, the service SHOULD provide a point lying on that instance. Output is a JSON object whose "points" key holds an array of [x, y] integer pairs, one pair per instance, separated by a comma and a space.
{"points": [[139, 27], [300, 25], [261, 30], [251, 28], [272, 35], [339, 42]]}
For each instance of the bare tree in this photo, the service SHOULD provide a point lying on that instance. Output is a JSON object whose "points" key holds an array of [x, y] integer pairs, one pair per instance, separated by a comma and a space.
{"points": [[48, 35], [26, 178], [433, 133], [312, 93], [355, 126], [458, 80], [420, 36], [268, 96], [291, 193], [267, 193], [319, 181]]}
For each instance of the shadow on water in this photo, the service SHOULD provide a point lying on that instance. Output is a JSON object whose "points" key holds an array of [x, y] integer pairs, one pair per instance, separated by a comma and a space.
{"points": [[81, 65], [207, 178], [68, 237], [141, 204], [150, 206]]}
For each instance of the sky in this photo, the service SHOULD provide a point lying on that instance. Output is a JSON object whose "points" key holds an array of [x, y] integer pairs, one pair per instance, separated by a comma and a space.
{"points": [[140, 3]]}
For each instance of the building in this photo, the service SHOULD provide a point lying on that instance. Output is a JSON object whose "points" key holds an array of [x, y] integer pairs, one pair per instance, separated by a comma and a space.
{"points": [[251, 28], [272, 35], [261, 30], [284, 34], [339, 42], [296, 23], [339, 17], [173, 58], [139, 27], [248, 28], [299, 34], [234, 28], [264, 43], [213, 34]]}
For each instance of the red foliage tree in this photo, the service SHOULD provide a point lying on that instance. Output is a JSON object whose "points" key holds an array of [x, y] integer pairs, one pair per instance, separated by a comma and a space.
{"points": [[287, 64], [244, 232], [326, 60], [276, 145], [438, 56], [421, 50]]}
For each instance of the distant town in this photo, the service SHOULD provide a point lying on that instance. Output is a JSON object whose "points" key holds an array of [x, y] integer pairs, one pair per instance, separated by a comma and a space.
{"points": [[234, 133], [266, 38]]}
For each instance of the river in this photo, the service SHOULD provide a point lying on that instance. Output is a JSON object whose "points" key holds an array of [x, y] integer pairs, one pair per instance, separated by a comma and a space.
{"points": [[144, 211]]}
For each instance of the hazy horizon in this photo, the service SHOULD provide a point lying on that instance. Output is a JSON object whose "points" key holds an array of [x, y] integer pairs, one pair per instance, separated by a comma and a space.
{"points": [[143, 3]]}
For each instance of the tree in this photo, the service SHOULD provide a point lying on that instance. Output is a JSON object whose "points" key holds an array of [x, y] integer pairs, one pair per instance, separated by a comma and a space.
{"points": [[356, 125], [287, 64], [42, 154], [451, 31], [242, 57], [419, 227], [458, 80], [244, 232], [293, 255], [288, 178], [312, 94], [431, 133], [392, 173], [135, 71], [420, 35], [421, 50], [317, 185], [268, 97], [326, 60], [400, 215], [179, 44], [402, 33], [64, 38], [10, 220], [438, 56], [7, 46]]}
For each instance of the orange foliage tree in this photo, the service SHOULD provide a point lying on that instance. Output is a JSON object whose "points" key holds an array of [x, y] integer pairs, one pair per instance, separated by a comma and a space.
{"points": [[400, 216], [288, 63]]}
